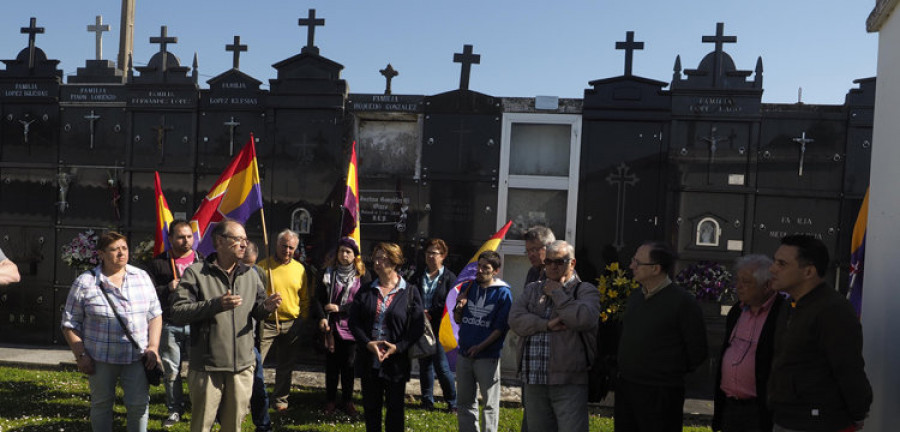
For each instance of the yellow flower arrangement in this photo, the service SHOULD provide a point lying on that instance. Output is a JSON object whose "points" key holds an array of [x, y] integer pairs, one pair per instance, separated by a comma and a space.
{"points": [[615, 285]]}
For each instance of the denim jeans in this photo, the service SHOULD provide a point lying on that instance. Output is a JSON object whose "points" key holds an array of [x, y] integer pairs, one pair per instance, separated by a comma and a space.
{"points": [[172, 344], [259, 400], [103, 395], [427, 367]]}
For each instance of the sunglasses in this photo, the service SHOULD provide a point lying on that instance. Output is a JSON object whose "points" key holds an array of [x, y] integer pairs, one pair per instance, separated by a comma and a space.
{"points": [[558, 261]]}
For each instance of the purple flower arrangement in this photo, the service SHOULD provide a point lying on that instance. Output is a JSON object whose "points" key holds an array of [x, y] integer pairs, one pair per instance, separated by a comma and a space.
{"points": [[706, 279], [81, 252]]}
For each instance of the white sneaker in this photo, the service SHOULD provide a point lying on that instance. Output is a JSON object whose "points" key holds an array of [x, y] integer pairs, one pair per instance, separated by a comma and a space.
{"points": [[171, 420]]}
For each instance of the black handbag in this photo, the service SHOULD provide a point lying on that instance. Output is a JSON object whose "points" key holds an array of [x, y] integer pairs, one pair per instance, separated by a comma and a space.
{"points": [[154, 375]]}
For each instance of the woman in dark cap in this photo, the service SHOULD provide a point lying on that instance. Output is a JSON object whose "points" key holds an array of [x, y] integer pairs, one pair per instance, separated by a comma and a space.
{"points": [[340, 282]]}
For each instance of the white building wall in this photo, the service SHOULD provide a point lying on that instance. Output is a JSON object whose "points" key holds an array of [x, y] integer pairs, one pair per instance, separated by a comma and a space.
{"points": [[881, 291]]}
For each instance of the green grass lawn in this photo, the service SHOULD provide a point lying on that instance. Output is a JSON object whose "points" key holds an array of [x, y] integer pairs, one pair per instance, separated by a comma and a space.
{"points": [[54, 401]]}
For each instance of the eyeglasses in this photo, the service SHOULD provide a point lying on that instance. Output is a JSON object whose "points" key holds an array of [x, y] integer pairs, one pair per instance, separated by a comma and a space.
{"points": [[558, 261], [636, 262], [236, 239], [534, 250], [433, 253]]}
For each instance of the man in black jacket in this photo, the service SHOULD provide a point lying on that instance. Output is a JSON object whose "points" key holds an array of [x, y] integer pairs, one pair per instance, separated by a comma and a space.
{"points": [[746, 357], [818, 380], [434, 283], [174, 340]]}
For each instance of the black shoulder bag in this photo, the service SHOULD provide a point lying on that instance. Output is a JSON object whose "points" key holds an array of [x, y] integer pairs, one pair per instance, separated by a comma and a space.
{"points": [[154, 376]]}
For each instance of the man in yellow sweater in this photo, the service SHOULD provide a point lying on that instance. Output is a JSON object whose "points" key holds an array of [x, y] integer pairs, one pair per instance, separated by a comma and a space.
{"points": [[288, 279]]}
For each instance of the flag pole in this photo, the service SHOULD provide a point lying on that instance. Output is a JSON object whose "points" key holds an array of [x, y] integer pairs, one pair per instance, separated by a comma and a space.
{"points": [[269, 289]]}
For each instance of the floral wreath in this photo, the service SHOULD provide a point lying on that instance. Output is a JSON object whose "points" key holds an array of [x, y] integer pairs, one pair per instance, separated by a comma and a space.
{"points": [[707, 280]]}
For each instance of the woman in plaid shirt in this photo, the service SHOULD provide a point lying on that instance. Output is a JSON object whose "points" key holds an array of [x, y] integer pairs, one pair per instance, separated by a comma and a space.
{"points": [[101, 347]]}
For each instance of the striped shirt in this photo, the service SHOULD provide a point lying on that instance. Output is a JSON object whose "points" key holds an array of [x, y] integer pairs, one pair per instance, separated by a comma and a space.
{"points": [[88, 313]]}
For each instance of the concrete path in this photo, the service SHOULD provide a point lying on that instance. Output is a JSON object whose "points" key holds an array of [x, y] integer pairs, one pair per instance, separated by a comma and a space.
{"points": [[58, 357]]}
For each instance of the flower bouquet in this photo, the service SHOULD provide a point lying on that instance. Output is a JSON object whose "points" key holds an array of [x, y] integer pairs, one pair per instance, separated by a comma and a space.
{"points": [[143, 252], [81, 253], [707, 280], [615, 285]]}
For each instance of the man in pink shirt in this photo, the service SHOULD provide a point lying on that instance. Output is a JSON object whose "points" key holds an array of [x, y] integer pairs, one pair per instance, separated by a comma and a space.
{"points": [[746, 359]]}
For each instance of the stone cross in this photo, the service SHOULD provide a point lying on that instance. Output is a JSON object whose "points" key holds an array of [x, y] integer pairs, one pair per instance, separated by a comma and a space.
{"points": [[311, 22], [389, 73], [236, 47], [467, 59], [164, 40], [629, 46], [92, 118], [719, 39], [98, 28], [803, 141], [231, 125], [621, 178], [31, 30], [161, 130]]}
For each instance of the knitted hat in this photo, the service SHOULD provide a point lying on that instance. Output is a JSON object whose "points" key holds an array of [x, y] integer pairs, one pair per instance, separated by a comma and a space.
{"points": [[349, 243]]}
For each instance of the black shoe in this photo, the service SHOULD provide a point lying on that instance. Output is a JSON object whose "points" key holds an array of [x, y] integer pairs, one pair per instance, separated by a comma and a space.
{"points": [[427, 406]]}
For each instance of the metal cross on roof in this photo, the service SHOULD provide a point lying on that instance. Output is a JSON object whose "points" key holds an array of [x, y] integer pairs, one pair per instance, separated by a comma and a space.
{"points": [[311, 22], [236, 47], [803, 141], [31, 30], [389, 73], [98, 28], [629, 46], [467, 59], [164, 40]]}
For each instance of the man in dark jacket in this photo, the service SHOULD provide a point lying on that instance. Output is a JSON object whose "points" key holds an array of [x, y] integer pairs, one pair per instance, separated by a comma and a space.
{"points": [[663, 339], [219, 298], [434, 283], [746, 357], [818, 380], [165, 270]]}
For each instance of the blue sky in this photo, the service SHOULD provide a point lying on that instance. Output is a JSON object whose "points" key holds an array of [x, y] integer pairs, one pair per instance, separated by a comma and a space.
{"points": [[527, 47]]}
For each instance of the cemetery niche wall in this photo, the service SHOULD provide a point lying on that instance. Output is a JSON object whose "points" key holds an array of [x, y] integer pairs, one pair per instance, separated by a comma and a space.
{"points": [[697, 160]]}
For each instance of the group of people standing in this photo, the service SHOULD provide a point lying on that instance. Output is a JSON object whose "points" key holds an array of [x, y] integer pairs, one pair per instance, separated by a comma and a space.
{"points": [[789, 364]]}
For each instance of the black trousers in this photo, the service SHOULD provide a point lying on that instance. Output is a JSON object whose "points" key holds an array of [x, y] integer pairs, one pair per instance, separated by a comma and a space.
{"points": [[647, 408], [339, 366], [378, 392]]}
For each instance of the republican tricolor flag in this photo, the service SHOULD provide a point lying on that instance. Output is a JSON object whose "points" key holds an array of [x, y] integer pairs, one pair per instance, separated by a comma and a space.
{"points": [[163, 219], [448, 334], [858, 255], [236, 195], [350, 226]]}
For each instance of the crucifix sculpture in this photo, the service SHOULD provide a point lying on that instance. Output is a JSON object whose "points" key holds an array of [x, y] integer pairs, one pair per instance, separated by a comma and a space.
{"points": [[161, 130], [311, 22], [31, 30], [237, 48], [92, 118], [621, 178], [713, 141], [164, 40], [467, 59], [389, 73], [629, 46], [719, 39], [231, 125], [98, 28], [26, 127], [803, 140]]}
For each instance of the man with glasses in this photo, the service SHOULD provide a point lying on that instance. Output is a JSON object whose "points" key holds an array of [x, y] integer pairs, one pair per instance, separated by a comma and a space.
{"points": [[283, 328], [746, 358], [537, 238], [818, 379], [218, 298], [663, 339], [557, 319]]}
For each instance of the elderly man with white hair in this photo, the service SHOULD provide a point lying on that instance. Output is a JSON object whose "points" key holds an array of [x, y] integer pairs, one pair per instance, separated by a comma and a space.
{"points": [[746, 358], [283, 328], [557, 318]]}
